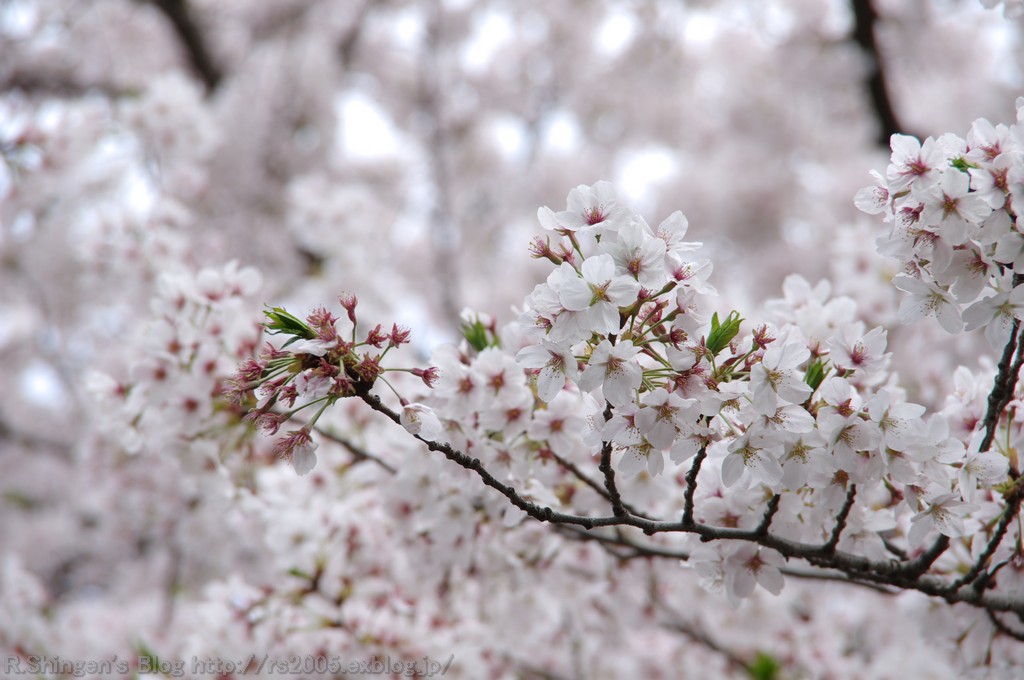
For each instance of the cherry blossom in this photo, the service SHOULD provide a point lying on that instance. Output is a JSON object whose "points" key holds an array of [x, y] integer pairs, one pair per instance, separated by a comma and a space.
{"points": [[927, 299], [858, 351], [613, 368], [997, 314], [556, 363], [299, 448], [421, 420], [748, 566], [914, 162], [756, 453], [593, 209], [943, 513], [990, 467], [600, 293], [512, 493], [776, 378]]}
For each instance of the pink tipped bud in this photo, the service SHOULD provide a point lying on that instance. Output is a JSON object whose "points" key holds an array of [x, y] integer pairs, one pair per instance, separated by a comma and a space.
{"points": [[677, 336], [541, 248], [320, 316], [322, 322], [762, 338], [349, 302], [265, 421], [368, 369], [377, 337], [250, 370], [428, 376], [399, 335], [270, 352], [298, 447]]}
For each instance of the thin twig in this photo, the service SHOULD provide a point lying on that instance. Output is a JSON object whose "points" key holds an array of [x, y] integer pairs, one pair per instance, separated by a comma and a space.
{"points": [[1002, 389], [769, 515], [925, 560], [358, 452], [1003, 628], [844, 513], [597, 488], [609, 472], [691, 486], [638, 551], [1009, 513]]}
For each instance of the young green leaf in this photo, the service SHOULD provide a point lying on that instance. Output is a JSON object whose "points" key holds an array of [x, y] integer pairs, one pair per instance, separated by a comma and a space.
{"points": [[281, 322], [723, 332], [816, 373], [476, 335]]}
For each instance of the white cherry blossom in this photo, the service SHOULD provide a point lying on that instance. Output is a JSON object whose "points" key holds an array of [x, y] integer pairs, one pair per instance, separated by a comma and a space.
{"points": [[598, 291], [614, 369], [776, 377], [556, 363], [927, 299]]}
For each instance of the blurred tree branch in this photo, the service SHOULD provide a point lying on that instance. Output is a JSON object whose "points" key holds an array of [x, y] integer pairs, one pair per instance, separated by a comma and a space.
{"points": [[192, 40], [865, 18]]}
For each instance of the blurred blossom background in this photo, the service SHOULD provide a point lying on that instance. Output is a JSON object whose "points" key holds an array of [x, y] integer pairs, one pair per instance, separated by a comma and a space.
{"points": [[170, 166]]}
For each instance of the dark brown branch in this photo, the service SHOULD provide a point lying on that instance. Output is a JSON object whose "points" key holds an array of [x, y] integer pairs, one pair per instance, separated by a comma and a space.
{"points": [[609, 472], [622, 541], [769, 515], [890, 573], [1005, 629], [894, 549], [691, 486], [597, 488], [865, 19], [1009, 513], [985, 579], [638, 551], [192, 41], [1002, 387], [926, 559], [844, 514]]}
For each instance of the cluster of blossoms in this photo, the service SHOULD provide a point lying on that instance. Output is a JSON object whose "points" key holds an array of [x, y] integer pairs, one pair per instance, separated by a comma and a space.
{"points": [[618, 357], [127, 183], [954, 205], [200, 328], [315, 367], [787, 410]]}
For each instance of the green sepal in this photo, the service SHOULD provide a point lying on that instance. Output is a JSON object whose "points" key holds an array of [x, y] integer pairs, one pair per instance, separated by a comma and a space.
{"points": [[764, 667], [962, 164], [816, 373], [281, 322], [478, 337], [722, 333]]}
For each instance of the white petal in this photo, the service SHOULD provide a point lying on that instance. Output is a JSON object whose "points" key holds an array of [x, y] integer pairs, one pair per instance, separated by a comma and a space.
{"points": [[304, 458]]}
